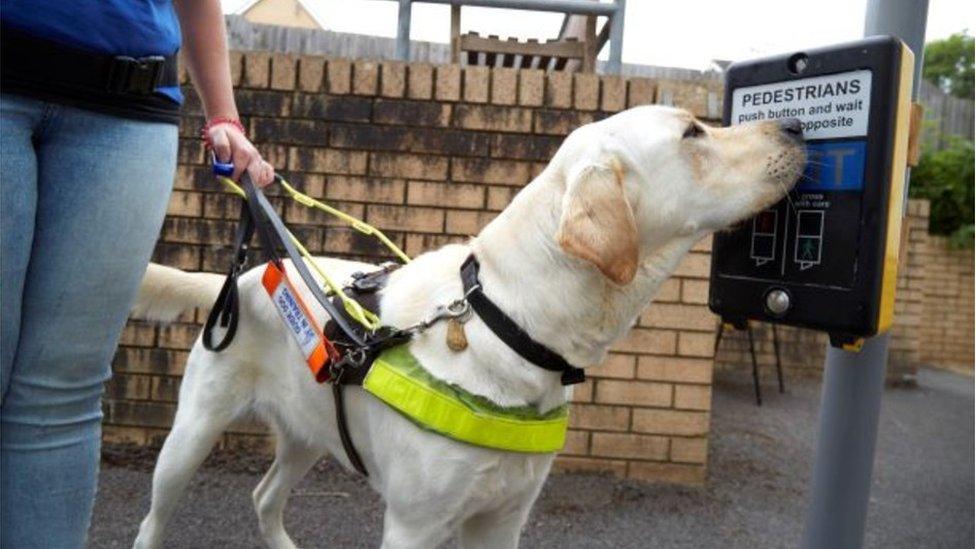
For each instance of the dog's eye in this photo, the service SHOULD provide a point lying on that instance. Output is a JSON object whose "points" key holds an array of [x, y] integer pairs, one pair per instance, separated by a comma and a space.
{"points": [[693, 131]]}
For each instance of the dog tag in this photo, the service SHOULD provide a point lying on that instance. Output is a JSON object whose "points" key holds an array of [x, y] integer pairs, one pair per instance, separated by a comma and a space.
{"points": [[317, 350], [456, 340]]}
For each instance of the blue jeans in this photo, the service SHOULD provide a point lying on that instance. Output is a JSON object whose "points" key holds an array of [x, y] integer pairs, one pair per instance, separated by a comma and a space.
{"points": [[82, 199]]}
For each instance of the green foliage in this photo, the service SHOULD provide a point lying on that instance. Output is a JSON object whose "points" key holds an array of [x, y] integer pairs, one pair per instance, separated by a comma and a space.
{"points": [[946, 178], [949, 64]]}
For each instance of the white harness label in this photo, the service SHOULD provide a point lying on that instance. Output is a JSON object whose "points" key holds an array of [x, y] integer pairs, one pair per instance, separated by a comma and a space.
{"points": [[295, 318], [833, 106]]}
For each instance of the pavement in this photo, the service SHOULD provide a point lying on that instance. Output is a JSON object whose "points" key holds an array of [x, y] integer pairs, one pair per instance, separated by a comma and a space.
{"points": [[760, 460]]}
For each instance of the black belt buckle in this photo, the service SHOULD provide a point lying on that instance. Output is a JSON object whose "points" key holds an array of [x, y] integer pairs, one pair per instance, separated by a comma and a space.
{"points": [[131, 75], [572, 376], [366, 283]]}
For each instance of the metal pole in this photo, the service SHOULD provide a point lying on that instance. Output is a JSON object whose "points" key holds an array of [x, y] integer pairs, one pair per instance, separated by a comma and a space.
{"points": [[403, 31], [849, 407], [850, 403], [902, 18], [616, 37], [755, 366]]}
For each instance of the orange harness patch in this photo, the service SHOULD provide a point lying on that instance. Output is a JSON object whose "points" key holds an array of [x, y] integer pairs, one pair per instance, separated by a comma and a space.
{"points": [[316, 348]]}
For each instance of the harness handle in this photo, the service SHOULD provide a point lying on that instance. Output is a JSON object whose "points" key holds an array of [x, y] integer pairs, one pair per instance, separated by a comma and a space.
{"points": [[221, 169]]}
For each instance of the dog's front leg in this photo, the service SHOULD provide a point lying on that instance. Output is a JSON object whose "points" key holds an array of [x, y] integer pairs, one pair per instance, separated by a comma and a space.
{"points": [[499, 528], [415, 528]]}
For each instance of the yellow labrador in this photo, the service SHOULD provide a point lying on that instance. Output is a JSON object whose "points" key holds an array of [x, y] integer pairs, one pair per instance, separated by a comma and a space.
{"points": [[573, 260]]}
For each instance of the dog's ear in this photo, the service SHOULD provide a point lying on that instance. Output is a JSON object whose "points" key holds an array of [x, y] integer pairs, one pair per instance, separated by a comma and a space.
{"points": [[597, 222]]}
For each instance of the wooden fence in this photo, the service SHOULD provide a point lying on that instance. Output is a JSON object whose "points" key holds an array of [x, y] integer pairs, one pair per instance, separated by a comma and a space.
{"points": [[945, 115]]}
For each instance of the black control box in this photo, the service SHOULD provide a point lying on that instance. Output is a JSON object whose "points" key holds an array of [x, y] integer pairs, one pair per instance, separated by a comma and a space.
{"points": [[825, 257]]}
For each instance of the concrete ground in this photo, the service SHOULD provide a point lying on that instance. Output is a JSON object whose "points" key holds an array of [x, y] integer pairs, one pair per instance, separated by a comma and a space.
{"points": [[760, 462]]}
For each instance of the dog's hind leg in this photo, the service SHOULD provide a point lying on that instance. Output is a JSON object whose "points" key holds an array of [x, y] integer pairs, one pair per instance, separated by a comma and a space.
{"points": [[206, 408], [293, 459]]}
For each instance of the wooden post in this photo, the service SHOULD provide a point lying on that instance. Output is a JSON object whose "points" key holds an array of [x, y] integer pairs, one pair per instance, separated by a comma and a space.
{"points": [[455, 34], [915, 134], [589, 45]]}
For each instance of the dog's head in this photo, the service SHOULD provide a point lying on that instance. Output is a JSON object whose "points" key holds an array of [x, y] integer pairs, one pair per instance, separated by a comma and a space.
{"points": [[647, 175]]}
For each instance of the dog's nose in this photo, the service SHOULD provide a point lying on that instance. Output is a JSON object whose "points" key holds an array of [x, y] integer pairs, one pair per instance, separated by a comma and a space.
{"points": [[792, 128]]}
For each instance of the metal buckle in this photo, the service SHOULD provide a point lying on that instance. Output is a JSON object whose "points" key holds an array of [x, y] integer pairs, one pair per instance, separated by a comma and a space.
{"points": [[241, 258], [139, 76], [353, 358]]}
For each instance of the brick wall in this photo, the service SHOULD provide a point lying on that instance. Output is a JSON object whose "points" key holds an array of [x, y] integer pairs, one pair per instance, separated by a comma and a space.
{"points": [[802, 351], [947, 315], [904, 355], [430, 154]]}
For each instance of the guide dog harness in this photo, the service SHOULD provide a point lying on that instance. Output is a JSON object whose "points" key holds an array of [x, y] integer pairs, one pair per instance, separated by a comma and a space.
{"points": [[351, 351]]}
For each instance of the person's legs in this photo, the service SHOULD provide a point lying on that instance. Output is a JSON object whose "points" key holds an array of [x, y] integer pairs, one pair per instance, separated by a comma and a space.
{"points": [[103, 185], [19, 118]]}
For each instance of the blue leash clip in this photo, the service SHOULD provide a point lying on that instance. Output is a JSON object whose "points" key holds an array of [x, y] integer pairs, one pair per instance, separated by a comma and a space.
{"points": [[225, 169]]}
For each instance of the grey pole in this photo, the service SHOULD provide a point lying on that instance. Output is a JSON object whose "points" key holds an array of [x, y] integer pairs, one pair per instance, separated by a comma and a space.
{"points": [[849, 409], [854, 382], [403, 31], [902, 18], [617, 37]]}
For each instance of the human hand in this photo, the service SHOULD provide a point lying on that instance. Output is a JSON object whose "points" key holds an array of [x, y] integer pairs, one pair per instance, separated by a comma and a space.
{"points": [[229, 144]]}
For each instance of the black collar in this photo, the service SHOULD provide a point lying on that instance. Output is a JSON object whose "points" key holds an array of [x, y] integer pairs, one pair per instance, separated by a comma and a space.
{"points": [[509, 332]]}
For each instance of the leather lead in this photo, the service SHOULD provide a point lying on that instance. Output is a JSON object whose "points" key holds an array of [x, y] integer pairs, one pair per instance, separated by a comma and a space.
{"points": [[344, 435], [258, 216], [225, 309]]}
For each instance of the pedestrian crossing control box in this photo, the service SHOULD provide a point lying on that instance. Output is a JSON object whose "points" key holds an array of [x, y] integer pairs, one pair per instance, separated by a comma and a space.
{"points": [[826, 257]]}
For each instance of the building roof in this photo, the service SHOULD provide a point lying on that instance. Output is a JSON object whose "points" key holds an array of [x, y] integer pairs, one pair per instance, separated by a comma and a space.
{"points": [[303, 4]]}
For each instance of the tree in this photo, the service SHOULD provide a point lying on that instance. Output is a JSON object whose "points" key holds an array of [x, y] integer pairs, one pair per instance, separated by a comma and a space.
{"points": [[949, 64], [945, 177]]}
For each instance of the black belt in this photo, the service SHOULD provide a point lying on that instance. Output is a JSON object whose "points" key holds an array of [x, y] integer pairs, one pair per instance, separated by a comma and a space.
{"points": [[30, 59], [511, 333]]}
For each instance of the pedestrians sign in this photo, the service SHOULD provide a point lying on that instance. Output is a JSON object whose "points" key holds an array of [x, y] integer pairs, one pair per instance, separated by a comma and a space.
{"points": [[830, 106], [833, 246]]}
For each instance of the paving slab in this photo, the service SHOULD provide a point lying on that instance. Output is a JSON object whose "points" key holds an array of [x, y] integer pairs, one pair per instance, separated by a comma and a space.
{"points": [[760, 460]]}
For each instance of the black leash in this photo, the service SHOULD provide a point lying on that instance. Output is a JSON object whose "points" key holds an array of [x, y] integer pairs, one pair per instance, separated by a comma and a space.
{"points": [[359, 345], [258, 215], [226, 310], [511, 333], [261, 209]]}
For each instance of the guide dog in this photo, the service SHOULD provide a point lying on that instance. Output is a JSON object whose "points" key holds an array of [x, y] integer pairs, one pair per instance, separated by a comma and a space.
{"points": [[574, 259]]}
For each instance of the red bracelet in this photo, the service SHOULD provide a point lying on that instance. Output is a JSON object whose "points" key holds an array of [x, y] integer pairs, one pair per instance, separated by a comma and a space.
{"points": [[216, 121]]}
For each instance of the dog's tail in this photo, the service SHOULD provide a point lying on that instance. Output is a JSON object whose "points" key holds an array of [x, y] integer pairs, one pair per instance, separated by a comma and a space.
{"points": [[167, 292]]}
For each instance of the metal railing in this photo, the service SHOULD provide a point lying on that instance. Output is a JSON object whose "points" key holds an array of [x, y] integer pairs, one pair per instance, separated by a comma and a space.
{"points": [[614, 11]]}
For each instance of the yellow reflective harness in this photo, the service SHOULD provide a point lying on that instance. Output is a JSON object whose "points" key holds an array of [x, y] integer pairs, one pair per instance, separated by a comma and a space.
{"points": [[399, 380]]}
